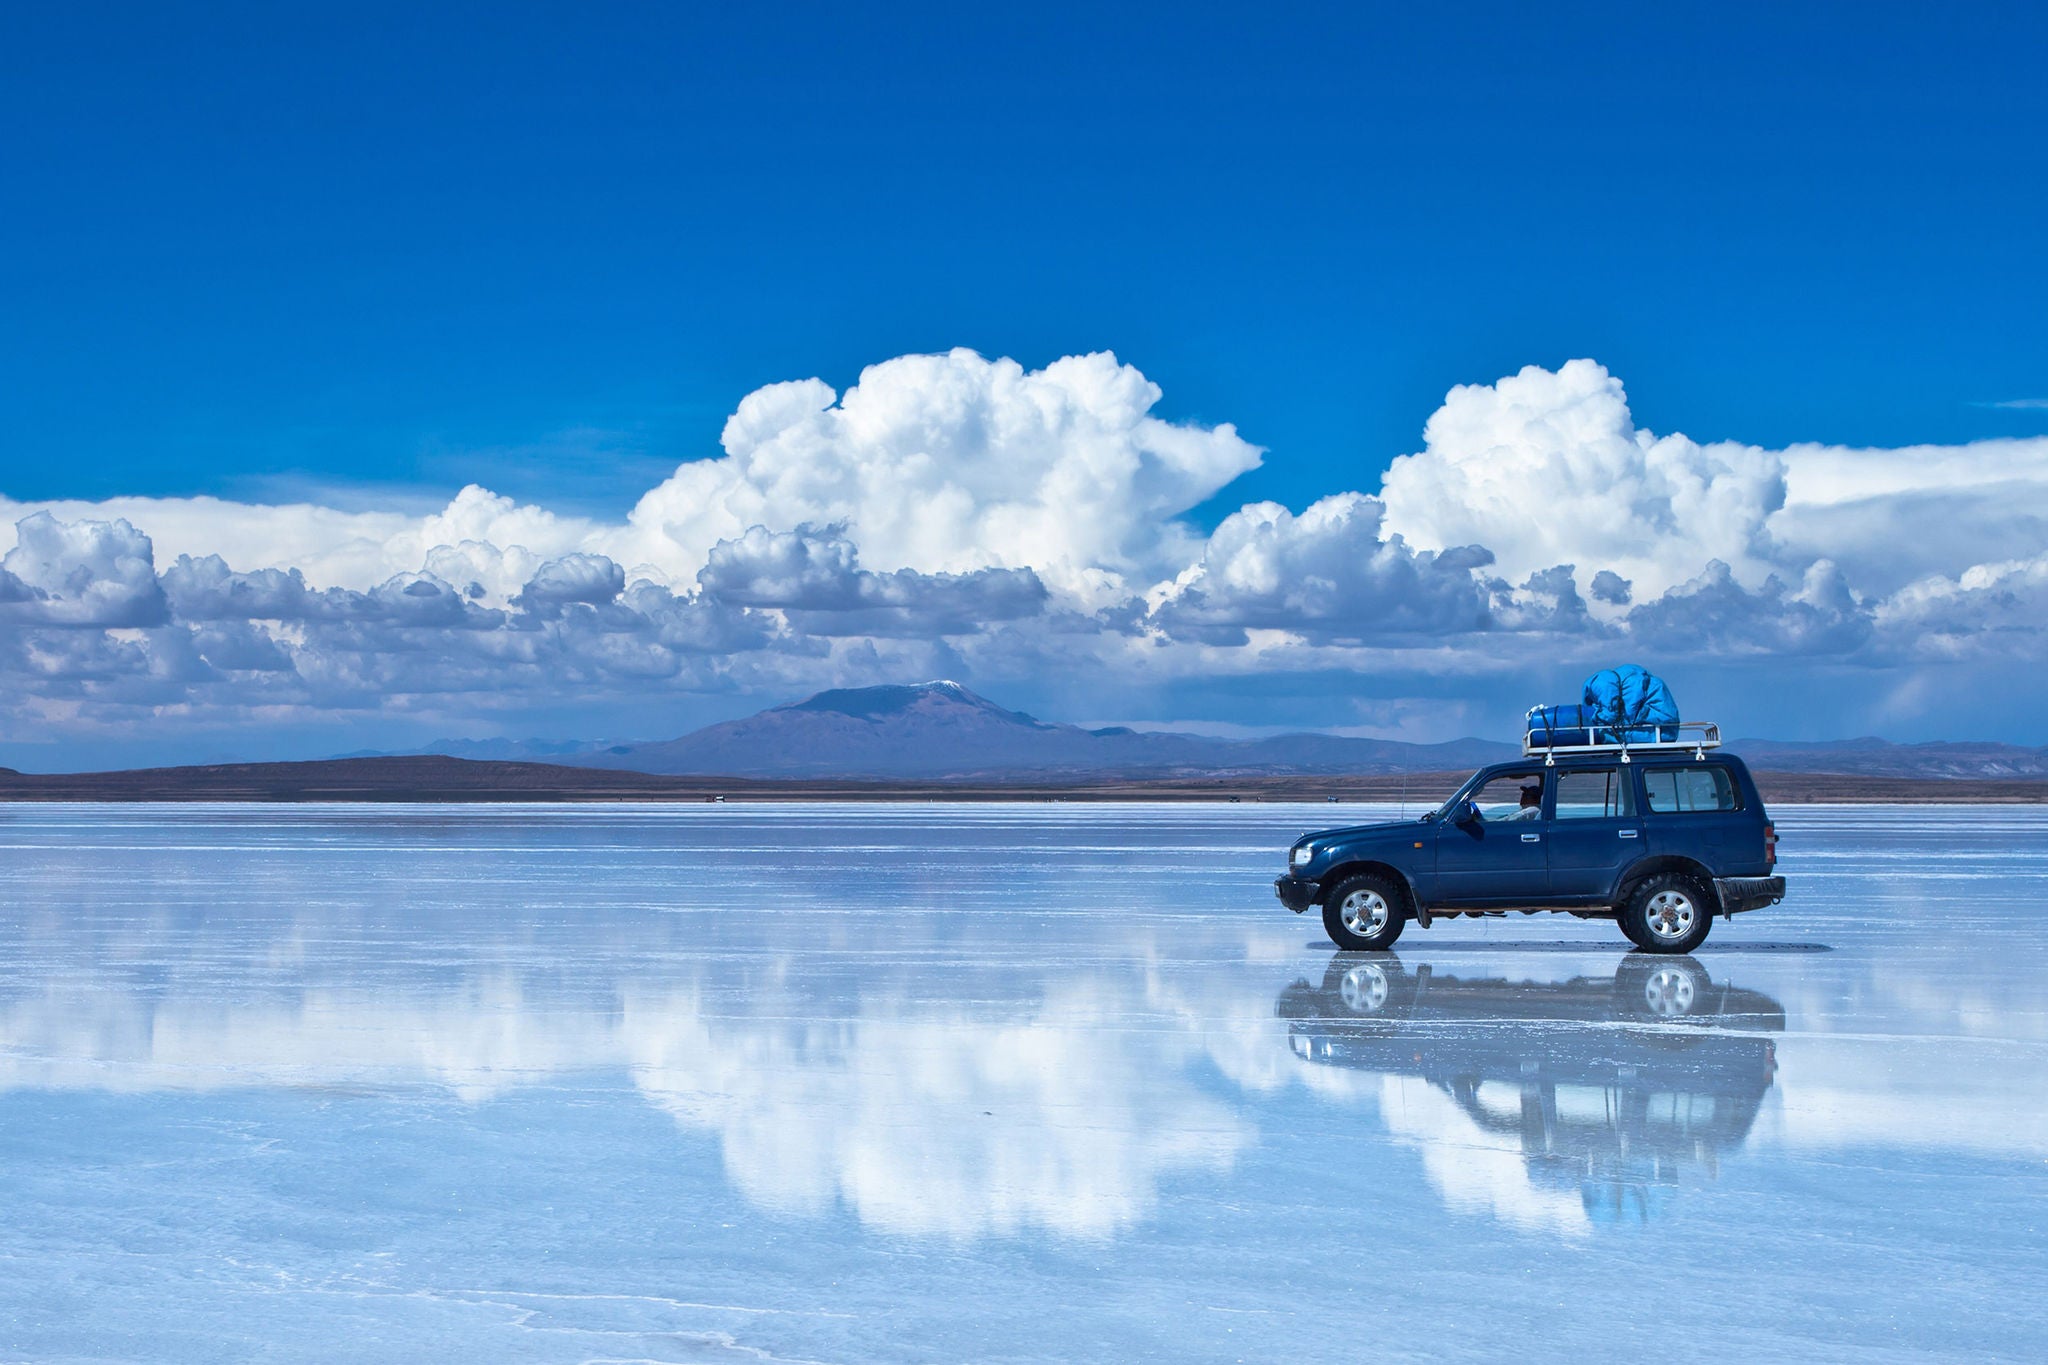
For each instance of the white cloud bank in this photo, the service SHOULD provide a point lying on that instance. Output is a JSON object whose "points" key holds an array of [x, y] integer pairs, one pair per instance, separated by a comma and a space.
{"points": [[953, 463], [937, 463], [951, 513], [1549, 468]]}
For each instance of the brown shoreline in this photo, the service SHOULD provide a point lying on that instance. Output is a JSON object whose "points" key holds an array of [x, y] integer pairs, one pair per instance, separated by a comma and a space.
{"points": [[445, 780]]}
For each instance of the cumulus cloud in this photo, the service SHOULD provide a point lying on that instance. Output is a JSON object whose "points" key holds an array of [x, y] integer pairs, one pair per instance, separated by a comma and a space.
{"points": [[208, 590], [1327, 575], [1548, 467], [1611, 588], [93, 573], [1925, 512], [1999, 609], [238, 646], [589, 579], [1715, 613], [332, 547], [952, 463], [939, 463], [815, 577], [1546, 601], [958, 515], [57, 663], [1545, 467]]}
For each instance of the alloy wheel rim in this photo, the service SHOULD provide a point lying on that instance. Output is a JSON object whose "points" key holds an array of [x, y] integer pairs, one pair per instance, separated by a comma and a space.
{"points": [[1671, 914], [1364, 913]]}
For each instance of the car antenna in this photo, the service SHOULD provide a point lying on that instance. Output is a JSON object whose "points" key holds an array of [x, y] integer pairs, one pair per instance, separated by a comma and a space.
{"points": [[1404, 794]]}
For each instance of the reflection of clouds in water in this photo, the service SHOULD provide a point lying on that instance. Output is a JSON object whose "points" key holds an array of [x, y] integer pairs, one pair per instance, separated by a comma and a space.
{"points": [[1473, 1170], [478, 1042], [965, 1103], [1946, 1055], [938, 1122], [1231, 1012], [1060, 1115], [1910, 1093]]}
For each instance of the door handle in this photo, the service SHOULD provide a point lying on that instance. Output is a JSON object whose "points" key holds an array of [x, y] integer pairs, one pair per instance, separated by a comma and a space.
{"points": [[1629, 833], [1532, 838]]}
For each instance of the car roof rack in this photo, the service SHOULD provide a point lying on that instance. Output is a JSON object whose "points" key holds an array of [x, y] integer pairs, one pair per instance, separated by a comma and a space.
{"points": [[1614, 743]]}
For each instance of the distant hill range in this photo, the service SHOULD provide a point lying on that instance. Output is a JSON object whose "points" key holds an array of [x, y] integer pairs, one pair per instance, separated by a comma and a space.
{"points": [[939, 741], [941, 731], [1872, 757]]}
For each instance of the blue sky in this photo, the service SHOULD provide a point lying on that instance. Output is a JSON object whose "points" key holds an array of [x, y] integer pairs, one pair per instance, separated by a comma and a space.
{"points": [[360, 258], [350, 246]]}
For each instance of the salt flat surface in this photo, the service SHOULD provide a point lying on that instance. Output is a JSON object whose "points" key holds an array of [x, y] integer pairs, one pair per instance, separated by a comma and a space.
{"points": [[939, 1083]]}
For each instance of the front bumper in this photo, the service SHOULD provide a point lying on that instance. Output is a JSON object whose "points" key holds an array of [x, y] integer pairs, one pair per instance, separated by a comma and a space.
{"points": [[1299, 893], [1748, 893]]}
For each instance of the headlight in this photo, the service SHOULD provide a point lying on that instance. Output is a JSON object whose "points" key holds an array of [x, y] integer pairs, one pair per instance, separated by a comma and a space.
{"points": [[1300, 856]]}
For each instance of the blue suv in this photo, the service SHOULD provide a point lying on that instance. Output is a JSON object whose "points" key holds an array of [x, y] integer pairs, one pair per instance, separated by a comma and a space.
{"points": [[1659, 837]]}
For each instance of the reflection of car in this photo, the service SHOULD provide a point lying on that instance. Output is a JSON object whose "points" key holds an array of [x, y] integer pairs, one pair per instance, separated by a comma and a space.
{"points": [[1614, 1086], [1660, 838]]}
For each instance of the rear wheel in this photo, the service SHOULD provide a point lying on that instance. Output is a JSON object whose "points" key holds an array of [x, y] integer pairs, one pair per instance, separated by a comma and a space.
{"points": [[1365, 913], [1667, 914], [1628, 927]]}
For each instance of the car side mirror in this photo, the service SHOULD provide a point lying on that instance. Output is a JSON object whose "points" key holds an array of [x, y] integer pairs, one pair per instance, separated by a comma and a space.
{"points": [[1465, 813]]}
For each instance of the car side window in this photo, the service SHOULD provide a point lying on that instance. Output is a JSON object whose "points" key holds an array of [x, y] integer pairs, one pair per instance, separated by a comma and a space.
{"points": [[1511, 796], [1594, 794], [1676, 790]]}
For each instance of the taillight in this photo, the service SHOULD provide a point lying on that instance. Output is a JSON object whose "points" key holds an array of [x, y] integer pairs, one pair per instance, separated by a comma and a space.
{"points": [[1770, 846]]}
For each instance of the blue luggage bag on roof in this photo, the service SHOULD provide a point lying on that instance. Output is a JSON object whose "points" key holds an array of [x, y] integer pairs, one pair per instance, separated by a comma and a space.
{"points": [[1552, 726], [1626, 705]]}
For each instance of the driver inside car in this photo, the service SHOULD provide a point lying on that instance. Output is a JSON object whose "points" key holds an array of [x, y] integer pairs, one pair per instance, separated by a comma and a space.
{"points": [[1531, 806]]}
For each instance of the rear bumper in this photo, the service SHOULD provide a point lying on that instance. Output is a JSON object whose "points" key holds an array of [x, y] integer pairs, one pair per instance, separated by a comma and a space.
{"points": [[1748, 893], [1297, 893]]}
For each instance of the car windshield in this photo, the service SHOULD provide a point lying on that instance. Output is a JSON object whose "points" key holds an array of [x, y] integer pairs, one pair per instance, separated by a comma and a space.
{"points": [[1451, 802]]}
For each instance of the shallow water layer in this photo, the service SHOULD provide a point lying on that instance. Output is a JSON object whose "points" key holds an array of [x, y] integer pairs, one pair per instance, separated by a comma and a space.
{"points": [[935, 1083]]}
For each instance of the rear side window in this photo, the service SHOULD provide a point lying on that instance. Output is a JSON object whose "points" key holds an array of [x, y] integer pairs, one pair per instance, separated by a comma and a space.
{"points": [[1590, 795], [1671, 790]]}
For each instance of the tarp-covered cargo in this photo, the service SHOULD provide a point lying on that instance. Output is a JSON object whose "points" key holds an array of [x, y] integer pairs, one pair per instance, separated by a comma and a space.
{"points": [[1625, 705]]}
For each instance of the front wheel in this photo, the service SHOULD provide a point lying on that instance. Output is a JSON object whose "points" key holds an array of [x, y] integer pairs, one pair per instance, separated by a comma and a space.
{"points": [[1659, 991], [1667, 914], [1364, 913]]}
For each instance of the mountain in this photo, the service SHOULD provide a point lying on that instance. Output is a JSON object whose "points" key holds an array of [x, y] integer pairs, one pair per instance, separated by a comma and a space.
{"points": [[436, 778], [1875, 757], [938, 740], [941, 730], [931, 729]]}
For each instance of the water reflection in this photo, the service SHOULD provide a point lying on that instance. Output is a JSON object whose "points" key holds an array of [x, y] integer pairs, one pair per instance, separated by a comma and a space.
{"points": [[1611, 1090], [1072, 1076], [942, 1099]]}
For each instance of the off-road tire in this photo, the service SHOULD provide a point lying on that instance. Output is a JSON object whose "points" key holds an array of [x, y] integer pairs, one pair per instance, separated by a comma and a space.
{"points": [[1627, 927], [1366, 912], [1668, 913]]}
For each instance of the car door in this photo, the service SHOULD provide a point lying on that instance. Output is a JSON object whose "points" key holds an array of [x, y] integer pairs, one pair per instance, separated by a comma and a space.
{"points": [[1497, 858], [1695, 811], [1595, 830]]}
